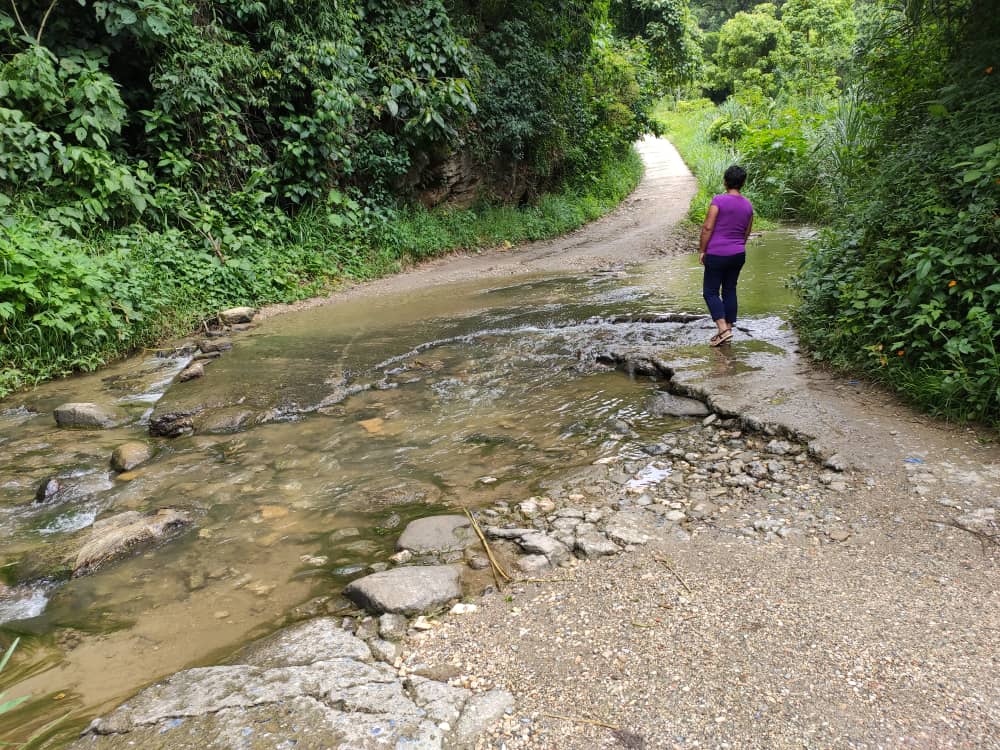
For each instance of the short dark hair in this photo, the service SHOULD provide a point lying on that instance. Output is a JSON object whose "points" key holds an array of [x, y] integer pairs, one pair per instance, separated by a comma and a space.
{"points": [[735, 177]]}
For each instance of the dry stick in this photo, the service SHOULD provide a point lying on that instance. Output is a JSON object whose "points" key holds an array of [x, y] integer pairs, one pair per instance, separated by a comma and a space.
{"points": [[18, 17], [676, 575], [45, 20], [497, 568], [546, 580], [593, 722], [982, 536]]}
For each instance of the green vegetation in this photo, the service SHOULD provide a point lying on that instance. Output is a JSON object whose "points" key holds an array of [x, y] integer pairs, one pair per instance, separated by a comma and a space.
{"points": [[160, 159], [906, 284], [881, 122]]}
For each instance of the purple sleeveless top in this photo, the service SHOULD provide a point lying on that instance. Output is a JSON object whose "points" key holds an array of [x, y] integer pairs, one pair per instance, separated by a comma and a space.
{"points": [[729, 235]]}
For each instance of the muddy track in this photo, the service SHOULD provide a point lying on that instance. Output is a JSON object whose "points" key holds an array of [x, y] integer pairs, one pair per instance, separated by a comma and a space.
{"points": [[644, 226]]}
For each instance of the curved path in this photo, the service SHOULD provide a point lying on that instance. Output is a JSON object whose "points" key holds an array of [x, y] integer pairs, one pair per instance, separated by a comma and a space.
{"points": [[644, 226]]}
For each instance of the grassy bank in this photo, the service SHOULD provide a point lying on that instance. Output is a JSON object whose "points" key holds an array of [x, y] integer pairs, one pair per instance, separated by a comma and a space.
{"points": [[73, 304]]}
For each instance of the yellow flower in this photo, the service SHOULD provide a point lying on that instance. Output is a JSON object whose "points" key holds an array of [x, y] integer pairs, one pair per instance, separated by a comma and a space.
{"points": [[952, 283]]}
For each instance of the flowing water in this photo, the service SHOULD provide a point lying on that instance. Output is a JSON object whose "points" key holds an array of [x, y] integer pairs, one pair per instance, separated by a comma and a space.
{"points": [[326, 431]]}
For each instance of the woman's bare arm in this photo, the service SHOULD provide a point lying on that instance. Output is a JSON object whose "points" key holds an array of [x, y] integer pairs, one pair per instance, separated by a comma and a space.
{"points": [[706, 231]]}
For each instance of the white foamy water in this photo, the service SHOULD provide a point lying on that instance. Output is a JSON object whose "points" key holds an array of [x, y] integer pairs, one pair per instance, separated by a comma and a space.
{"points": [[23, 606], [68, 522]]}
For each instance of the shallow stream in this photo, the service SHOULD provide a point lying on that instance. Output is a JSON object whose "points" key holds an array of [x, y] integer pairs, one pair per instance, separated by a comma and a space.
{"points": [[326, 431]]}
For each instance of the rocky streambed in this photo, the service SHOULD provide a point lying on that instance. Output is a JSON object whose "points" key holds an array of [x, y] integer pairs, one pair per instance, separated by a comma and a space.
{"points": [[357, 680]]}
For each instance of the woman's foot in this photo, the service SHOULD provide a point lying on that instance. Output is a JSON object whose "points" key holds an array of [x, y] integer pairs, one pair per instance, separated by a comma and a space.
{"points": [[721, 337]]}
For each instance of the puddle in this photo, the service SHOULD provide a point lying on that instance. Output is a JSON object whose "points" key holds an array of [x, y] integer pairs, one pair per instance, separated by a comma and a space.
{"points": [[324, 432]]}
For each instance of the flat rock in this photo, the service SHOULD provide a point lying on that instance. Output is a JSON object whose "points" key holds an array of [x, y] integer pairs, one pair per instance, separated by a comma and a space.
{"points": [[669, 405], [130, 455], [537, 543], [435, 535], [410, 590], [215, 345], [386, 651], [495, 532], [302, 722], [338, 703], [533, 564], [441, 701], [224, 421], [116, 537], [594, 544], [193, 371], [316, 640], [981, 521], [172, 424], [89, 416], [627, 528], [236, 315], [481, 710]]}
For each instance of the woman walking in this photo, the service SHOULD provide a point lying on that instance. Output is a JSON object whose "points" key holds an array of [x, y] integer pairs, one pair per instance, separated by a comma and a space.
{"points": [[723, 251]]}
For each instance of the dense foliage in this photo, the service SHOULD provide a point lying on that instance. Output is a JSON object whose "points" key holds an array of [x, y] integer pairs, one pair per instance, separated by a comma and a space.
{"points": [[907, 284], [161, 158], [883, 122]]}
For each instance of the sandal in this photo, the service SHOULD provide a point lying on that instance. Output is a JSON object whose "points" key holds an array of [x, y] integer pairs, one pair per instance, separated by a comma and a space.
{"points": [[721, 337]]}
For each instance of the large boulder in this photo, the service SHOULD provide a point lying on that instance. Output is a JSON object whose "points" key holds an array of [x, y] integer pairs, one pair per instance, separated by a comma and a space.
{"points": [[435, 535], [669, 405], [89, 416], [172, 424], [116, 537], [236, 315], [412, 590]]}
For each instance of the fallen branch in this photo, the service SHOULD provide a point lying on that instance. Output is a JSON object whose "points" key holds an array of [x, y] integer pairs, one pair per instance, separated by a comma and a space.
{"points": [[546, 580], [666, 564], [592, 722], [495, 566], [982, 536]]}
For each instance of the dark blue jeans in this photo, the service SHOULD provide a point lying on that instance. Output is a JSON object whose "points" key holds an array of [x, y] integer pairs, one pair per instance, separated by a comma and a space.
{"points": [[721, 272]]}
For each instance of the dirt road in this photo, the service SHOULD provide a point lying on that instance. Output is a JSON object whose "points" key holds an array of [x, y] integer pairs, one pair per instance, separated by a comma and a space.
{"points": [[644, 226]]}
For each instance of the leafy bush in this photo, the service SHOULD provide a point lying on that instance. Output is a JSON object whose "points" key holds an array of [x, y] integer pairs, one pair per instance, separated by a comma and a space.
{"points": [[725, 128], [906, 286]]}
